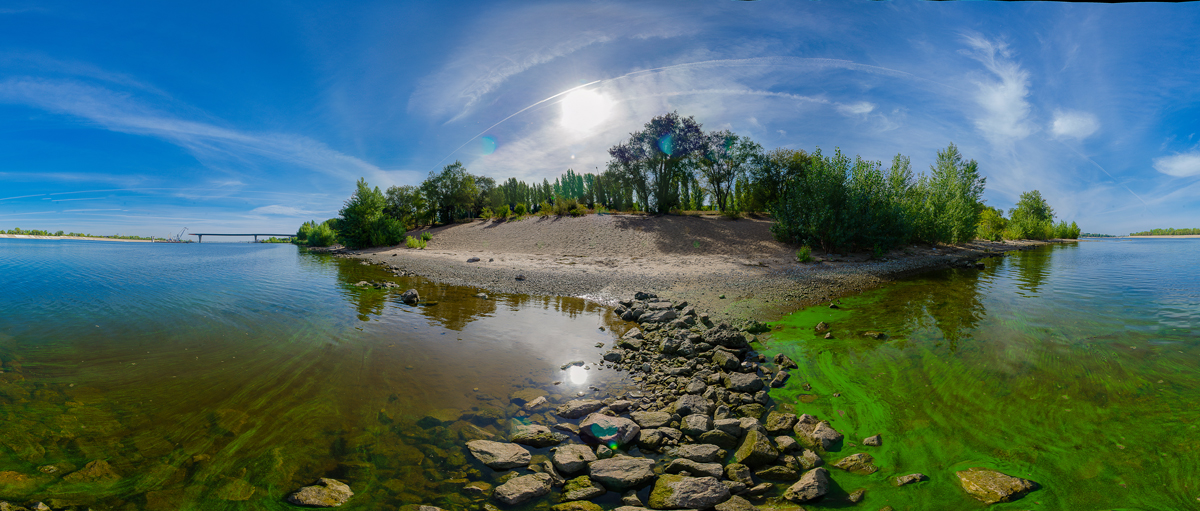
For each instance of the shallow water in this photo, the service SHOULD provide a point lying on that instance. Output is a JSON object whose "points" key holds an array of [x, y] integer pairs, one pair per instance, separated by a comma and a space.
{"points": [[1071, 365], [224, 376]]}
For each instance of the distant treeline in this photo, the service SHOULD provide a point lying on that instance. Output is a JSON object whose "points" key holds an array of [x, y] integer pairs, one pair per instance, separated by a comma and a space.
{"points": [[1094, 235], [36, 232], [1168, 232], [672, 165]]}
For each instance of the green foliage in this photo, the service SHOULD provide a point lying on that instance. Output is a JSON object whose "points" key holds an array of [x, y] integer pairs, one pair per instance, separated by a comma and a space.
{"points": [[804, 255], [659, 157], [953, 189], [412, 242], [503, 212], [426, 236], [521, 210], [1160, 232], [1066, 232], [363, 223], [724, 158], [992, 224], [487, 213], [316, 235], [451, 193], [545, 209], [1031, 219], [408, 205]]}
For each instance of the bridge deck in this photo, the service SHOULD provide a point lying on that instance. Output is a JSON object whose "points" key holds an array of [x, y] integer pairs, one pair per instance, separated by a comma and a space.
{"points": [[200, 235]]}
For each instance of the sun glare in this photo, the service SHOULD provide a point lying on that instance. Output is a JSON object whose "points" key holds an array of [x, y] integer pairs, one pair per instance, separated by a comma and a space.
{"points": [[583, 110]]}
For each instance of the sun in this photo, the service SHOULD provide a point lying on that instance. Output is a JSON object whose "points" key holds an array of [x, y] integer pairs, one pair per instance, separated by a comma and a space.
{"points": [[583, 110]]}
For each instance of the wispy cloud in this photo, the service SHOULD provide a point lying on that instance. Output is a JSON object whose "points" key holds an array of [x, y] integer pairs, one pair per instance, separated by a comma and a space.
{"points": [[278, 209], [1179, 165], [859, 108], [1005, 110], [1074, 124]]}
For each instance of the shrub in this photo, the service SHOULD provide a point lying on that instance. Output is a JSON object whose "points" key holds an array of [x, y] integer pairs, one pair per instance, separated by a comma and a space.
{"points": [[992, 224], [731, 214], [362, 219], [412, 242], [503, 212], [520, 210], [804, 255], [486, 213], [322, 235], [544, 209], [1066, 232], [601, 210], [426, 236]]}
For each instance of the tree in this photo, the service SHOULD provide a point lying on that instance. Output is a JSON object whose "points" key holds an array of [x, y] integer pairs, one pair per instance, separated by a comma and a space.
{"points": [[953, 191], [655, 159], [406, 204], [772, 174], [451, 191], [723, 159], [363, 223], [1032, 218]]}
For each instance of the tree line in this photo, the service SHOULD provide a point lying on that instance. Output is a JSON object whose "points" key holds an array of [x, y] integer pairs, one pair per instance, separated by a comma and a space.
{"points": [[672, 165], [38, 232], [1167, 232]]}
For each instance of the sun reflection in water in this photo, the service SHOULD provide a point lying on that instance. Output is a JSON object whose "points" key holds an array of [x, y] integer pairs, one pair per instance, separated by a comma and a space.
{"points": [[577, 375]]}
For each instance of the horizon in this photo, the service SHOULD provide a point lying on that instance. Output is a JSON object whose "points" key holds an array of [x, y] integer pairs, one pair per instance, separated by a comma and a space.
{"points": [[151, 118]]}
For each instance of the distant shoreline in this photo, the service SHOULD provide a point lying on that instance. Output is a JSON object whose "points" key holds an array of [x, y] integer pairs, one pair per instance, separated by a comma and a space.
{"points": [[82, 238], [1166, 236]]}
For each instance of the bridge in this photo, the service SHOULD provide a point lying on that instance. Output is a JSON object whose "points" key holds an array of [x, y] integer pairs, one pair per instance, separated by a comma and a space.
{"points": [[201, 235]]}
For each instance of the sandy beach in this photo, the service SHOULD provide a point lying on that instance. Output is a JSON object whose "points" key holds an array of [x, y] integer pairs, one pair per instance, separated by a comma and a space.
{"points": [[734, 268]]}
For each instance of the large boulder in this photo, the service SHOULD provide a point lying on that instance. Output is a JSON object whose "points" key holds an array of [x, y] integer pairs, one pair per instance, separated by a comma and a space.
{"points": [[694, 468], [991, 486], [743, 382], [499, 455], [622, 472], [650, 420], [521, 489], [682, 492], [815, 433], [756, 449], [573, 458], [780, 423], [410, 297], [812, 485], [582, 488], [859, 463], [719, 438], [658, 316], [724, 336], [691, 403], [703, 453], [577, 505], [726, 360], [695, 424], [611, 431], [736, 503], [324, 493], [577, 408], [537, 435]]}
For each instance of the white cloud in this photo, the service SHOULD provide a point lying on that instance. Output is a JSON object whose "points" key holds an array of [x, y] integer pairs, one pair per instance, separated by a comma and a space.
{"points": [[860, 108], [1005, 116], [1179, 165], [277, 209], [1074, 124]]}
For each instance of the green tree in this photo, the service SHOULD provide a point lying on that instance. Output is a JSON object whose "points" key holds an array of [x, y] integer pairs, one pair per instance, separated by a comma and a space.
{"points": [[655, 159], [1031, 218], [451, 192], [953, 191], [724, 158], [363, 223], [407, 204]]}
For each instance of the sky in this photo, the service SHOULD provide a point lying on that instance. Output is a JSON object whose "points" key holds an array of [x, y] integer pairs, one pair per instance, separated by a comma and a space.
{"points": [[145, 118]]}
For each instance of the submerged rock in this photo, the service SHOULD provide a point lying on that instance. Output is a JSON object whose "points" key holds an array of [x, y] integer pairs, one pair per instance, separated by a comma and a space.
{"points": [[324, 493], [682, 492], [570, 459], [991, 486], [499, 455], [873, 441], [859, 463], [410, 297], [582, 488], [910, 478], [622, 473], [602, 429], [98, 471], [523, 488], [576, 505], [537, 435]]}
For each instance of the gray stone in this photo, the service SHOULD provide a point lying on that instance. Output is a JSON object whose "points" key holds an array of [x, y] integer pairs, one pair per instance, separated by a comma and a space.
{"points": [[812, 485], [756, 450], [682, 492], [858, 463], [610, 431], [630, 498], [991, 487], [910, 478], [777, 473], [695, 386], [573, 458], [780, 423], [725, 337], [726, 360], [739, 472], [536, 435], [695, 425], [622, 473], [857, 496], [719, 438], [577, 408], [582, 488], [780, 379], [786, 443], [649, 420], [690, 404], [410, 297], [523, 488], [653, 440], [809, 460], [817, 433], [873, 441], [743, 382], [324, 493], [499, 455], [659, 316], [784, 362], [703, 453], [736, 503], [694, 468], [731, 426]]}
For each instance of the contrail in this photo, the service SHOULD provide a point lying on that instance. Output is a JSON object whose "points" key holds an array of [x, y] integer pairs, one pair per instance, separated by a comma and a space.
{"points": [[753, 61], [1106, 173]]}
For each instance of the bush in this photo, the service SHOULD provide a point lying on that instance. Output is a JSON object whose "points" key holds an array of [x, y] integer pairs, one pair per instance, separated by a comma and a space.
{"points": [[544, 209], [804, 255], [731, 214], [521, 210], [1066, 232], [426, 236], [502, 213], [412, 242], [322, 235], [486, 213], [563, 207], [992, 224]]}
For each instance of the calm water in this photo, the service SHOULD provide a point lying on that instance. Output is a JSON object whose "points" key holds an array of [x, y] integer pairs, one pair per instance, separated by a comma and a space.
{"points": [[224, 376], [1077, 366]]}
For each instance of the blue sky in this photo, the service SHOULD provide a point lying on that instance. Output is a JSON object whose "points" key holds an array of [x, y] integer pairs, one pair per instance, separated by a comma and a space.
{"points": [[144, 118]]}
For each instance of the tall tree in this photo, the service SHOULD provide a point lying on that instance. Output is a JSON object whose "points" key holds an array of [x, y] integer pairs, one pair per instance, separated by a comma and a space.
{"points": [[724, 158], [658, 157], [451, 191]]}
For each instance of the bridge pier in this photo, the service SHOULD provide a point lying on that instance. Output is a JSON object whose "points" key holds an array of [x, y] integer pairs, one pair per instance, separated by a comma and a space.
{"points": [[201, 238]]}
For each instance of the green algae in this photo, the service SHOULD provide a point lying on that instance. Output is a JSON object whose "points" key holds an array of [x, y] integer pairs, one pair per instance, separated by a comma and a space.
{"points": [[1027, 367]]}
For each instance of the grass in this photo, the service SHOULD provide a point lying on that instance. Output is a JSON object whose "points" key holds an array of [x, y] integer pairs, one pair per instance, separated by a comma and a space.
{"points": [[412, 242]]}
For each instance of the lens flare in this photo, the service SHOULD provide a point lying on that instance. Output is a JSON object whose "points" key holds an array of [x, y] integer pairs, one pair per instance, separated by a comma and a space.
{"points": [[666, 144], [583, 110], [488, 144]]}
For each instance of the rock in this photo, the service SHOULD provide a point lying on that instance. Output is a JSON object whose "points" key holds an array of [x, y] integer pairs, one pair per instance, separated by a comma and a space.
{"points": [[634, 333], [568, 427], [410, 297], [809, 460], [731, 426], [722, 335], [743, 382], [738, 472], [756, 450], [786, 443], [519, 277], [323, 493], [695, 425], [620, 406], [537, 435], [818, 433], [236, 490], [482, 296], [478, 489], [653, 440], [991, 486], [813, 484], [682, 492], [642, 296], [691, 403], [614, 356], [573, 458], [630, 498], [499, 455], [582, 488], [611, 431], [703, 453], [726, 360], [719, 438], [910, 478], [856, 496], [622, 473], [876, 335], [523, 488], [697, 469], [695, 387], [576, 505], [97, 471], [784, 362], [859, 463], [779, 423], [537, 405], [736, 503], [873, 441], [649, 420], [777, 473], [526, 395], [821, 327], [577, 408], [556, 479], [752, 410], [659, 316], [780, 379], [603, 452]]}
